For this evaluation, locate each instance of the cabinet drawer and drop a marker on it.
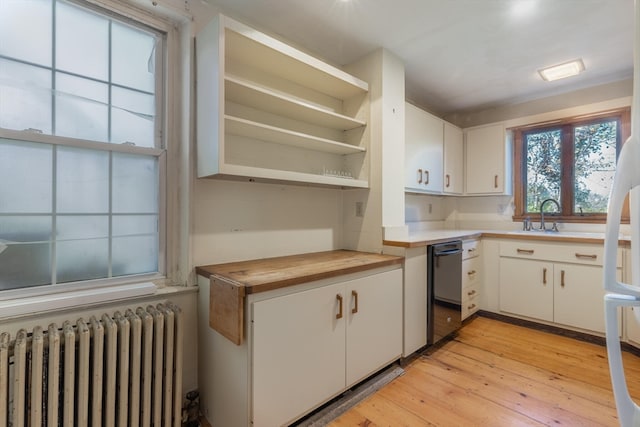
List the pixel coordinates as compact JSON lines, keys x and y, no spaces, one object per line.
{"x":470,"y":272}
{"x":556,"y":252}
{"x":470,"y":249}
{"x":470,"y":303}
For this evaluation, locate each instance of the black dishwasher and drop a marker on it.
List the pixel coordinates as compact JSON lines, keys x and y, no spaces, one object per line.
{"x":444,"y":290}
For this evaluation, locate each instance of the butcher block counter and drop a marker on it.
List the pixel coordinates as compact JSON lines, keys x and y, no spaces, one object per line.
{"x":231,"y":282}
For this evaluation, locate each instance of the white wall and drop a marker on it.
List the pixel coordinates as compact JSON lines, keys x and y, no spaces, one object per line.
{"x":236,"y":221}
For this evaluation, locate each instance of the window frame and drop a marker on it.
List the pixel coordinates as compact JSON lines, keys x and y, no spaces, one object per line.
{"x":567,"y":125}
{"x":168,"y":33}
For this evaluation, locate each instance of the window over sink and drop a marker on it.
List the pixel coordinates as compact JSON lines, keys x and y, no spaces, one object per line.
{"x":572,"y":161}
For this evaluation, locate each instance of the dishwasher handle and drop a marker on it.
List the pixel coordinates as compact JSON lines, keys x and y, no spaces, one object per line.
{"x":447,"y":252}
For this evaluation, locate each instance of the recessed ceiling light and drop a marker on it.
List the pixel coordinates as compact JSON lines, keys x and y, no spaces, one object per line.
{"x":560,"y":71}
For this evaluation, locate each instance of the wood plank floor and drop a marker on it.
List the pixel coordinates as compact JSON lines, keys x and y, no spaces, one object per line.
{"x":498,"y":374}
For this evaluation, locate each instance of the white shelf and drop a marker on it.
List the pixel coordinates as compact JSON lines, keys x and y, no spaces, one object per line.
{"x":282,"y":175}
{"x":262,"y":132}
{"x":261,"y":51}
{"x":246,"y":93}
{"x":268,"y":111}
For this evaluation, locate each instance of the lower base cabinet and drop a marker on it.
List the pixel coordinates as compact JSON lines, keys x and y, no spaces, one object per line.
{"x":306,"y":345}
{"x":566,"y":293}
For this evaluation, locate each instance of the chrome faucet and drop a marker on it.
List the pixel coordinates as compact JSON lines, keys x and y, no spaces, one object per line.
{"x":542,"y":226}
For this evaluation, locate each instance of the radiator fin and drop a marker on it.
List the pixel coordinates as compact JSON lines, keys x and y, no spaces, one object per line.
{"x":121,"y":369}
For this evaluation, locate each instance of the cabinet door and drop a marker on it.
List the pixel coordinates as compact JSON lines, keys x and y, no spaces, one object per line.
{"x":298,"y":350}
{"x":415,"y":300}
{"x":453,"y":159}
{"x":485,"y":160}
{"x":526,"y":288}
{"x":423,"y":150}
{"x":374,"y":325}
{"x":579,"y":296}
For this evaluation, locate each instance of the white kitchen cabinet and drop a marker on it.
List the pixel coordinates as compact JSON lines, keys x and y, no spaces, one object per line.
{"x":424,"y":135}
{"x":415,"y":297}
{"x":471,"y":277}
{"x":559,"y":283}
{"x":453,"y":159}
{"x":311,"y":345}
{"x":268,"y":111}
{"x":526,"y":288}
{"x":487,"y":161}
{"x":298,"y":354}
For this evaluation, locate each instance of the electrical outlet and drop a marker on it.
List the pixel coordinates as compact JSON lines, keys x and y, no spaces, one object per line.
{"x":359,"y":209}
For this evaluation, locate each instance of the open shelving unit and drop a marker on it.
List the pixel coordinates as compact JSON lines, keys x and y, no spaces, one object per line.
{"x":268,"y":111}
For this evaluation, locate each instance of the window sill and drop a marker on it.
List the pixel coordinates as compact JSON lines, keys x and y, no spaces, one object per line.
{"x":73,"y":299}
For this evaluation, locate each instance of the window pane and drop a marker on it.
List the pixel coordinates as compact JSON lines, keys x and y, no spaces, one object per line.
{"x":133,"y":62}
{"x":82,"y":260}
{"x":82,"y":180}
{"x":25,"y":177}
{"x":25,"y":97}
{"x":25,"y":30}
{"x":82,"y":42}
{"x":135,"y":183}
{"x":81,"y":108}
{"x":543,"y":165}
{"x":82,"y":248}
{"x":595,"y":164}
{"x":132,"y":117}
{"x":25,"y":251}
{"x":135,"y":244}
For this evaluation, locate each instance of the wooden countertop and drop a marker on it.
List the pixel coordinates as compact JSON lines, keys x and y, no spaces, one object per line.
{"x":273,"y":273}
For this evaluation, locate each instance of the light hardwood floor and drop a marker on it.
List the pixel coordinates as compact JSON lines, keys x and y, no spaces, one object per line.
{"x":498,"y":374}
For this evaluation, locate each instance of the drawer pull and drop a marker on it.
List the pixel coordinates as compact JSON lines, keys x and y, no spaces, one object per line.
{"x":448,"y":181}
{"x":471,"y":307}
{"x":495,"y":181}
{"x":471,"y":273}
{"x":525,"y":251}
{"x":470,"y":293}
{"x":354,"y":294}
{"x":544,"y":276}
{"x":586,"y":256}
{"x":419,"y":176}
{"x":472,"y":250}
{"x":562,"y":278}
{"x":426,"y":179}
{"x":339,"y":298}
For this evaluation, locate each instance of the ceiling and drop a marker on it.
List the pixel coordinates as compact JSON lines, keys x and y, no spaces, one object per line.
{"x":460,"y":55}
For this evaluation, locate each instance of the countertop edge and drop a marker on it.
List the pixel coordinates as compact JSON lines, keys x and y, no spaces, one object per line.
{"x":499,"y":235}
{"x":385,"y":261}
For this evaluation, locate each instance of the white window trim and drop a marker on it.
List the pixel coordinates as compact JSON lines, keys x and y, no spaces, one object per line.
{"x":63,"y":300}
{"x":110,"y":289}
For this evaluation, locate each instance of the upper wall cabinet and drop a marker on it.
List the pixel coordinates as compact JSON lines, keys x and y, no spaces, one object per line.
{"x":488,"y":161}
{"x":453,"y":159}
{"x":423,"y":151}
{"x":268,"y":111}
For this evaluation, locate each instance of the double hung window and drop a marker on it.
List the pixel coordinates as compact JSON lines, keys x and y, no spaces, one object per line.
{"x":81,"y":148}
